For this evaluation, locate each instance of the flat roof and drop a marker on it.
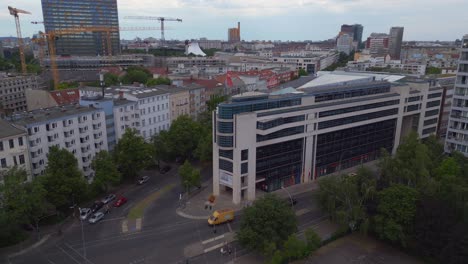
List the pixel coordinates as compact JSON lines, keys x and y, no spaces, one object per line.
{"x":47,"y":114}
{"x":9,"y":130}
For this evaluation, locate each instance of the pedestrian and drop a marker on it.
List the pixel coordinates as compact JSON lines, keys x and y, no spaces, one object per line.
{"x":229,"y":249}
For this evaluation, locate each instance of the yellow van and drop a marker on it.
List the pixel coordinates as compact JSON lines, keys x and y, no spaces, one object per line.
{"x":221,"y":216}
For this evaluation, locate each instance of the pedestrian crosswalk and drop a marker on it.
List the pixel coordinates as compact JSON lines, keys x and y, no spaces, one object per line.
{"x":129,"y":226}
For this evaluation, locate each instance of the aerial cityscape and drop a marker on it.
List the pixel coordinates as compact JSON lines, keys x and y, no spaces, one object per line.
{"x":251,"y":132}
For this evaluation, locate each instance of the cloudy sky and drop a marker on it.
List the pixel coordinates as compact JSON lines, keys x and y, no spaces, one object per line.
{"x":275,"y":19}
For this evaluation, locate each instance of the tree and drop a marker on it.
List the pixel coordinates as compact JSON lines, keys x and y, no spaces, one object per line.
{"x":294,"y":248}
{"x":111,"y":79}
{"x":158,"y":81}
{"x":63,"y":181}
{"x":132,"y":154}
{"x":214,"y":101}
{"x":313,"y":240}
{"x":105,"y":170}
{"x":160,"y":148}
{"x":303,"y":72}
{"x":433,"y":70}
{"x":344,"y":197}
{"x":267,"y":224}
{"x":396,"y":211}
{"x":204,"y":150}
{"x":189,"y":176}
{"x":135,"y":76}
{"x":184,"y":136}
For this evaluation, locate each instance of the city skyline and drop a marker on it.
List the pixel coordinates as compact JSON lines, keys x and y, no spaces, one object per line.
{"x":264,"y":20}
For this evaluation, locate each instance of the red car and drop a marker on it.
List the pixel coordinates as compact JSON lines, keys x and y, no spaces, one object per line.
{"x":120,"y":201}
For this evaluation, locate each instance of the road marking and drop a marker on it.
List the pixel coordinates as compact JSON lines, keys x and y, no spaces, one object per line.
{"x":138,"y":224}
{"x":302,"y":211}
{"x":78,"y":253}
{"x":68,"y":254}
{"x":124,"y":226}
{"x":112,"y":219}
{"x":212,"y":239}
{"x":213,"y":247}
{"x":230,"y":228}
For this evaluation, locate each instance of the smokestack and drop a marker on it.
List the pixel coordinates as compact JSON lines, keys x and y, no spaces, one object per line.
{"x":238,"y":30}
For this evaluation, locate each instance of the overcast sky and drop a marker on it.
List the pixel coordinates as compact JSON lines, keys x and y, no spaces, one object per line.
{"x":275,"y":19}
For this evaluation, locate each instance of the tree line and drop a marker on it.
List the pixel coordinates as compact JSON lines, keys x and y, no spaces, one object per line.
{"x":418,"y":201}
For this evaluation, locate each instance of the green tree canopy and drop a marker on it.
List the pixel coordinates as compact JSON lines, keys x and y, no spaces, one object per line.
{"x":105,"y":170}
{"x":214,"y":101}
{"x":132,"y":154}
{"x":63,"y":180}
{"x":267,"y":224}
{"x":158,"y":81}
{"x":189,"y":176}
{"x":303,"y":72}
{"x":111,"y":79}
{"x":396,"y":211}
{"x":184,"y":135}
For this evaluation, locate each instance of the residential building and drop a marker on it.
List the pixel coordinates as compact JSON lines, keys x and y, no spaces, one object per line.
{"x":80,"y":130}
{"x":377,"y":43}
{"x":179,"y":102}
{"x":344,"y":43}
{"x":312,"y":64}
{"x":13,"y":149}
{"x":197,"y":99}
{"x":13,"y":91}
{"x":37,"y":99}
{"x":210,"y":44}
{"x":341,"y":121}
{"x":457,"y":131}
{"x":395,"y":41}
{"x":59,"y":15}
{"x":145,"y":109}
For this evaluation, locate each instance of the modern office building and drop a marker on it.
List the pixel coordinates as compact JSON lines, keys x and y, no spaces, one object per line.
{"x":395,"y":41}
{"x":267,"y":142}
{"x":13,"y":148}
{"x":378,"y":44}
{"x":457,"y":131}
{"x":344,"y":43}
{"x":13,"y":91}
{"x":355,"y":31}
{"x":59,"y":15}
{"x":80,"y":130}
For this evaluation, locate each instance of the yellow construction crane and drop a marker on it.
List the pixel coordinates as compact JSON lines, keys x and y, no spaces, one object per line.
{"x":14,"y":12}
{"x":53,"y":35}
{"x":160,"y":19}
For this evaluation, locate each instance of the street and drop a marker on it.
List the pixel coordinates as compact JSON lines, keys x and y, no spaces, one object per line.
{"x":161,"y":236}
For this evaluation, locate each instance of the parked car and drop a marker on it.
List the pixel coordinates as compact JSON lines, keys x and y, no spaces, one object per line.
{"x":165,"y":169}
{"x":109,"y":198}
{"x":120,"y":201}
{"x":96,"y":217}
{"x":84,"y":213}
{"x":96,"y":206}
{"x":143,"y":180}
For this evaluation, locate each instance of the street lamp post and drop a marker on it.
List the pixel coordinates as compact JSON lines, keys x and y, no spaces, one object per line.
{"x":290,"y":197}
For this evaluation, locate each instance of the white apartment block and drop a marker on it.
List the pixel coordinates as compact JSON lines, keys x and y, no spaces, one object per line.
{"x":145,"y":109}
{"x":457,"y":131}
{"x":80,"y":130}
{"x":13,"y":91}
{"x":269,"y":142}
{"x":13,"y":149}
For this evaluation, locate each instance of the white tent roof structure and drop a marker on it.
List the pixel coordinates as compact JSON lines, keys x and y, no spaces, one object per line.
{"x":194,"y":48}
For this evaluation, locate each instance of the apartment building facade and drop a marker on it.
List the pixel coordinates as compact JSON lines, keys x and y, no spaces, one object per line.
{"x":13,"y":91}
{"x":269,"y":142}
{"x":457,"y":131}
{"x":13,"y":149}
{"x":80,"y":130}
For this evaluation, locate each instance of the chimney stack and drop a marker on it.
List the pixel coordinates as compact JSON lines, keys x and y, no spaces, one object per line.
{"x":238,"y":30}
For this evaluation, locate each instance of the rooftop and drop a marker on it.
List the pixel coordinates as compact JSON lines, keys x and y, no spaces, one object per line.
{"x":9,"y":130}
{"x":138,"y":92}
{"x":42,"y":115}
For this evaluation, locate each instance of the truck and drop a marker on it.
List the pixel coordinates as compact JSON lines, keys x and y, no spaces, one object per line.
{"x":221,"y":216}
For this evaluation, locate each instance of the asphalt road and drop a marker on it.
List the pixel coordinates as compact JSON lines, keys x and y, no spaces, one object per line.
{"x":163,"y":236}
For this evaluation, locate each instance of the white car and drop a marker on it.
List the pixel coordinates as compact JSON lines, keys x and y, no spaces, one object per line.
{"x":108,"y":198}
{"x":96,"y":217}
{"x":84,"y":213}
{"x":143,"y":179}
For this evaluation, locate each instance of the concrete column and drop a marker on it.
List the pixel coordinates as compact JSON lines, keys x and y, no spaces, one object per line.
{"x":308,"y":159}
{"x":251,"y":178}
{"x":236,"y":179}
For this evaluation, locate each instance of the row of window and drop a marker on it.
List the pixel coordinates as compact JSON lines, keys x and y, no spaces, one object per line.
{"x":281,"y":133}
{"x":228,"y":111}
{"x":430,"y":121}
{"x":358,"y":118}
{"x":357,"y":108}
{"x":11,"y":143}
{"x":349,"y":93}
{"x":16,"y":161}
{"x":279,"y":121}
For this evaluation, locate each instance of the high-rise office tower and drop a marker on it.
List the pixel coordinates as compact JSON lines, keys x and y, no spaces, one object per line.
{"x":353,"y":30}
{"x":457,"y":131}
{"x":395,"y":40}
{"x":64,"y":14}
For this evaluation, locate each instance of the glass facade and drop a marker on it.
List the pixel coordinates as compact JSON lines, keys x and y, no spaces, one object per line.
{"x":280,"y":164}
{"x":357,"y":118}
{"x":228,"y":110}
{"x":353,"y":146}
{"x":60,"y":14}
